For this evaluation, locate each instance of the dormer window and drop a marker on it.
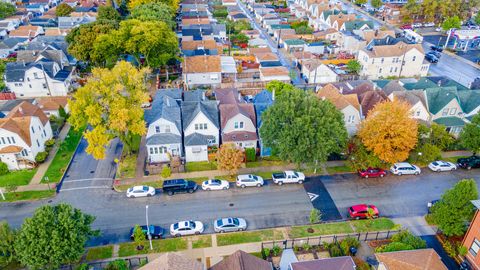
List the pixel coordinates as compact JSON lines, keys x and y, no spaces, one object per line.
{"x":238,"y":125}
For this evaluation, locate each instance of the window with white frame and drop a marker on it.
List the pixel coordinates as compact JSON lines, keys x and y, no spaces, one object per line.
{"x":475,"y":247}
{"x":157,"y":129}
{"x":162,"y":150}
{"x":445,"y":112}
{"x":453,"y":111}
{"x":167,"y":129}
{"x":238,"y":125}
{"x":196,"y":149}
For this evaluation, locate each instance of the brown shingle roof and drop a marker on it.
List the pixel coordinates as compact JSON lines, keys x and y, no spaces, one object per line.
{"x":195,"y":44}
{"x":398,"y":49}
{"x":266,"y":56}
{"x":202,"y":64}
{"x":228,"y":96}
{"x":274,"y":71}
{"x":28,"y":109}
{"x":51,"y":103}
{"x":331,"y":93}
{"x":337,"y":263}
{"x":190,"y":21}
{"x":241,"y":260}
{"x":227,"y":111}
{"x":259,"y":50}
{"x":369,"y":99}
{"x":172,"y":261}
{"x":25,"y":31}
{"x":11,"y":149}
{"x":420,"y":259}
{"x":19,"y":126}
{"x":368,"y":35}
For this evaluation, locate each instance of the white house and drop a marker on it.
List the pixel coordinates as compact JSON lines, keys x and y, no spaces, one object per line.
{"x":347,"y":104}
{"x":35,"y":79}
{"x":202,"y":70}
{"x":201,"y":127}
{"x":23,"y":133}
{"x":417,"y":100}
{"x":164,"y":134}
{"x":316,"y":72}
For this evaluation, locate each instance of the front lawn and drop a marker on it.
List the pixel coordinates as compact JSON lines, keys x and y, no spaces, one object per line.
{"x":379,"y":224}
{"x":200,"y":166}
{"x":248,"y":237}
{"x":339,"y":169}
{"x":64,"y":155}
{"x":99,"y":253}
{"x":320,"y":229}
{"x":201,"y":241}
{"x":127,"y":166}
{"x":162,"y":245}
{"x":453,"y":159}
{"x":19,"y":178}
{"x":27,"y":195}
{"x":266,"y":163}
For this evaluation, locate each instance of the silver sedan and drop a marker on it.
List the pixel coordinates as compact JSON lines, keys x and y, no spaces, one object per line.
{"x":229,"y":225}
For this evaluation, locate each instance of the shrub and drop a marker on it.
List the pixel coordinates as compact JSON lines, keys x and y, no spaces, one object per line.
{"x":315,"y":216}
{"x":394,"y":246}
{"x":449,"y":248}
{"x":83,"y":266}
{"x":166,"y":171}
{"x":335,"y":251}
{"x":266,"y":252}
{"x":41,"y":156}
{"x":3,"y":168}
{"x":306,"y":247}
{"x":251,"y":154}
{"x":11,"y":188}
{"x":61,"y":112}
{"x":50,"y":143}
{"x":347,"y":243}
{"x":462,"y":250}
{"x":408,"y":238}
{"x":276,"y":250}
{"x":117,"y":265}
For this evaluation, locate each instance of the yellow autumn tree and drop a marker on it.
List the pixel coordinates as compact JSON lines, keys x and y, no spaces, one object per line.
{"x":229,"y":158}
{"x":110,"y":104}
{"x":389,"y":132}
{"x":135,"y":3}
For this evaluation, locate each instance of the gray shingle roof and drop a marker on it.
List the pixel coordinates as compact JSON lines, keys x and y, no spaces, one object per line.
{"x":164,"y":138}
{"x":195,"y":95}
{"x":166,"y":107}
{"x":11,"y":42}
{"x":15,"y":72}
{"x":197,"y":139}
{"x":191,"y":109}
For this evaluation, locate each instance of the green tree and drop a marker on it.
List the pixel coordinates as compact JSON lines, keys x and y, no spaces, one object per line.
{"x":303,"y":129}
{"x":315,"y":216}
{"x":353,"y":66}
{"x":359,"y":158}
{"x":63,"y":10}
{"x":411,"y":10}
{"x":376,"y":3}
{"x":7,"y":241}
{"x":6,"y":10}
{"x":81,"y":40}
{"x":55,"y":235}
{"x":454,"y":210}
{"x":429,"y":9}
{"x":477,"y":18}
{"x":135,"y":3}
{"x":239,"y":39}
{"x":303,"y":30}
{"x":110,"y":102}
{"x":279,"y":88}
{"x":234,"y":28}
{"x":138,"y":236}
{"x":470,"y":135}
{"x":108,"y":13}
{"x":3,"y":168}
{"x":360,"y":2}
{"x":425,"y":153}
{"x":451,"y":22}
{"x":154,"y":12}
{"x":166,"y":172}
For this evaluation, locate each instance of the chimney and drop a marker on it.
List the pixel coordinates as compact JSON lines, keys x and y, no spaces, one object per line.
{"x":341,"y":89}
{"x":376,"y":32}
{"x":439,"y":83}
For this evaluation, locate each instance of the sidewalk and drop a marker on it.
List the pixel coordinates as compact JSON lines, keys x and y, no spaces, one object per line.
{"x":42,"y":168}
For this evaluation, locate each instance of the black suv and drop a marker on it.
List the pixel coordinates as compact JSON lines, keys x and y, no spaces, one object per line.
{"x":469,"y":163}
{"x":156,"y":232}
{"x":178,"y":186}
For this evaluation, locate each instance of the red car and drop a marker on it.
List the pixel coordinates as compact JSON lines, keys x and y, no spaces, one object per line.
{"x":361,"y":211}
{"x":406,"y":26}
{"x":372,"y":172}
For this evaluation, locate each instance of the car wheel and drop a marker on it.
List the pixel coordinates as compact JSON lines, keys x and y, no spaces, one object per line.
{"x":149,"y":195}
{"x":280,"y":183}
{"x":399,"y":174}
{"x":242,"y":186}
{"x":170,"y":193}
{"x":190,"y":191}
{"x":131,"y":196}
{"x":259,"y":185}
{"x":416,"y":173}
{"x":222,"y":231}
{"x":438,"y":170}
{"x":366,"y":176}
{"x":178,"y":235}
{"x":156,"y":237}
{"x":357,"y":218}
{"x":300,"y":182}
{"x":469,"y":167}
{"x":225,"y":188}
{"x":454,"y":169}
{"x":208,"y":189}
{"x":197,"y":232}
{"x":382,"y":175}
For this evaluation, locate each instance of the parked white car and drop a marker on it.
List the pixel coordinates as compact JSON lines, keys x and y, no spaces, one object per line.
{"x":215,"y":184}
{"x":229,"y":225}
{"x":429,"y":24}
{"x":249,"y":180}
{"x":417,"y":25}
{"x":140,"y":191}
{"x":442,"y":166}
{"x":187,"y":227}
{"x":405,"y":168}
{"x":288,"y":177}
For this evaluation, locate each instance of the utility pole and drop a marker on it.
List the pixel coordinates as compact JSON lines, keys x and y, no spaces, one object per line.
{"x":148,"y":228}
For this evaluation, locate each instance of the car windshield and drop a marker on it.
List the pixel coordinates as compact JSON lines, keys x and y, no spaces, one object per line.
{"x":175,"y":226}
{"x":145,"y":188}
{"x":296,"y":174}
{"x":254,"y":177}
{"x":220,"y":222}
{"x":235,"y":221}
{"x":192,"y":224}
{"x":215,"y":181}
{"x":130,"y":189}
{"x":351,"y":209}
{"x":435,"y":163}
{"x":395,"y":167}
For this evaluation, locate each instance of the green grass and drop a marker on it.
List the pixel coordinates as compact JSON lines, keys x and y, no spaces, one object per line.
{"x":28,"y":195}
{"x":127,"y":166}
{"x":320,"y":229}
{"x":257,"y":254}
{"x":453,"y":159}
{"x":62,"y":158}
{"x":202,"y":241}
{"x":266,"y":163}
{"x":163,"y":245}
{"x":200,"y":166}
{"x":99,"y":253}
{"x":379,"y":224}
{"x":19,"y":178}
{"x":248,"y":237}
{"x":339,"y":169}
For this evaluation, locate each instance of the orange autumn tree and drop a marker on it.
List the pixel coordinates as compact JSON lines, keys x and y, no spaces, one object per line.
{"x":229,"y":158}
{"x":389,"y":132}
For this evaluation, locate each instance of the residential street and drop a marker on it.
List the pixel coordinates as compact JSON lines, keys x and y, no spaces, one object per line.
{"x":403,"y":198}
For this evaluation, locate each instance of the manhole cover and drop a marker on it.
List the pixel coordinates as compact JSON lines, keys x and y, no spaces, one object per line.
{"x":231,"y":204}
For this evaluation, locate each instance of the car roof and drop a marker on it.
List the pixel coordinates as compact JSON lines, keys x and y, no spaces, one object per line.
{"x":358,"y":207}
{"x":401,"y":164}
{"x":138,"y":187}
{"x":245,"y":176}
{"x":183,"y":224}
{"x":174,"y":181}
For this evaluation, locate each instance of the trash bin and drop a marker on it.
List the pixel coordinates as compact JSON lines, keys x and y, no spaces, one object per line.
{"x":353,"y":251}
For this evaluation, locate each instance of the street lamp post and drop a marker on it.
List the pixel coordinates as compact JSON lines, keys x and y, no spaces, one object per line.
{"x":148,"y":228}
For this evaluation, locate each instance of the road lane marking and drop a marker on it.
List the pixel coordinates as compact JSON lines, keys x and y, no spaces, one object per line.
{"x":88,"y":179}
{"x":91,"y":187}
{"x":312,"y":196}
